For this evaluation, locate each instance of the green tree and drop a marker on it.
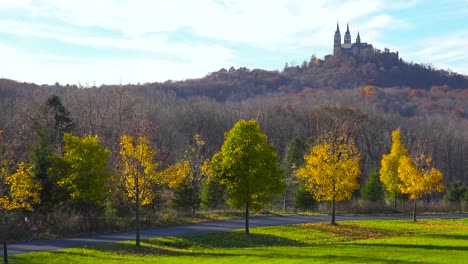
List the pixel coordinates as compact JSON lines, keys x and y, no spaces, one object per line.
{"x":53,"y":122}
{"x":61,"y":122}
{"x":212,"y":194}
{"x":248,"y":167}
{"x":85,"y":167}
{"x":305,"y":199}
{"x":373,"y":189}
{"x":455,"y":192}
{"x":293,"y":159}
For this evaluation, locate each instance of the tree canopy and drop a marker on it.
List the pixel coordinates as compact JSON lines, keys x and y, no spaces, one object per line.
{"x":331,"y":170}
{"x":390,"y":163}
{"x":87,"y":168}
{"x":248,"y":167}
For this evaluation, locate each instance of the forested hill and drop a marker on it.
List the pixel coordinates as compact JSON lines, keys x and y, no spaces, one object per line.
{"x":332,"y":73}
{"x":335,"y":72}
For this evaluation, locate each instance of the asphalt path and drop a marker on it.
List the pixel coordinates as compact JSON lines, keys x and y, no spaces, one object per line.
{"x":194,"y":229}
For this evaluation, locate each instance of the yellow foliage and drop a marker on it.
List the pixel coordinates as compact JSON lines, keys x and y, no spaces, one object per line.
{"x":416,"y":182}
{"x":198,"y":140}
{"x":331,"y":171}
{"x":139,"y":168}
{"x":390,"y":163}
{"x":175,"y":174}
{"x":207,"y":169}
{"x":23,"y":189}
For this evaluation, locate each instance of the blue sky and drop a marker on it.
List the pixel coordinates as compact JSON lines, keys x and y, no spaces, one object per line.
{"x":131,"y":41}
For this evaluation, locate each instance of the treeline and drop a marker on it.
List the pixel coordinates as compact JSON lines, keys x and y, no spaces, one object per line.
{"x":34,"y":122}
{"x":334,"y":72}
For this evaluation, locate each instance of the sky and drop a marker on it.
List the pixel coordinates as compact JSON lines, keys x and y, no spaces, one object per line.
{"x":94,"y":42}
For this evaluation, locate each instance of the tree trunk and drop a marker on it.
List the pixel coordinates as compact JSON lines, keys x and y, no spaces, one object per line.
{"x":414,"y":210}
{"x":5,"y":251}
{"x":137,"y":211}
{"x":194,"y":196}
{"x":285,"y":198}
{"x":333,"y":220}
{"x":394,"y":200}
{"x":247,"y":218}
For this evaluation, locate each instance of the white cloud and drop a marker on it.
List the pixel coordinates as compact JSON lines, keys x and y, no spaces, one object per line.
{"x":40,"y":68}
{"x":260,"y":22}
{"x":443,"y":51}
{"x":281,"y":25}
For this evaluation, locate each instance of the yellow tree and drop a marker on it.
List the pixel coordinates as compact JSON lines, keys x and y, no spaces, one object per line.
{"x":138,"y":173}
{"x":331,"y":170}
{"x":418,"y":179}
{"x":19,"y":190}
{"x":187,"y":195}
{"x":390,"y":163}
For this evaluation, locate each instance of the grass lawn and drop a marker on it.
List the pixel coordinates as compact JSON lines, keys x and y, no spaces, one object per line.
{"x":383,"y":241}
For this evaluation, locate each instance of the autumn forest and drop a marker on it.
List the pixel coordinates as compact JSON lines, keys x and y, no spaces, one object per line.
{"x":81,"y":158}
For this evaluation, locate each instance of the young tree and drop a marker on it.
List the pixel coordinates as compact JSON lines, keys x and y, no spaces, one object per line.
{"x":248,"y":167}
{"x":293,"y":159}
{"x":52,"y":122}
{"x":373,"y":189}
{"x":138,"y":173}
{"x":418,"y":179}
{"x":455,"y":192}
{"x":390,"y":163}
{"x":331,"y":170}
{"x":190,"y":188}
{"x":17,"y":191}
{"x":86,"y":169}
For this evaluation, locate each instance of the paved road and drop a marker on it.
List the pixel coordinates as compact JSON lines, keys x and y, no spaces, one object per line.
{"x":182,"y":230}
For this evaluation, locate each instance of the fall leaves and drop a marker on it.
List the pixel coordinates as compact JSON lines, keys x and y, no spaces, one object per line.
{"x":412,"y":176}
{"x":331,"y":170}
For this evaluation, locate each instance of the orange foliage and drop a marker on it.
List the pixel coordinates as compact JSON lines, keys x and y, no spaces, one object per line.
{"x":368,"y":92}
{"x":417,"y":93}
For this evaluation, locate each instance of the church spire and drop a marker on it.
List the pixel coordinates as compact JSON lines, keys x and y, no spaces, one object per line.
{"x":347,"y":36}
{"x":358,"y":38}
{"x":337,"y":39}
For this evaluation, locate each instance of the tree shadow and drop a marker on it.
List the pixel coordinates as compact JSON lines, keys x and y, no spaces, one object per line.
{"x":156,"y":249}
{"x":413,"y":246}
{"x":223,"y":240}
{"x":458,"y":237}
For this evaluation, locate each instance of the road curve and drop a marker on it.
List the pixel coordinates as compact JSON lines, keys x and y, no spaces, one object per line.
{"x":193,"y":229}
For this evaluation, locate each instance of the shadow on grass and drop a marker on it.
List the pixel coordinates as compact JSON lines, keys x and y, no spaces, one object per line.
{"x":458,"y":237}
{"x":222,"y":240}
{"x":154,"y":249}
{"x":413,"y":246}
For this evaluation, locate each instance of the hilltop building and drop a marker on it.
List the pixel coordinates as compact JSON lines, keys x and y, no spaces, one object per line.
{"x":358,"y":48}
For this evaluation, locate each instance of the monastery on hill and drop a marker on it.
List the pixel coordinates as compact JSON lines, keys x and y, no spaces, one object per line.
{"x":358,"y":48}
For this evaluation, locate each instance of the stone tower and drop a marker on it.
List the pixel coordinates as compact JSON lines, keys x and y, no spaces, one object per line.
{"x":347,"y":36}
{"x":337,"y":39}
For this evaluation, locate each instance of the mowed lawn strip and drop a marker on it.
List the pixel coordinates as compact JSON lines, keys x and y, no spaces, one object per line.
{"x":373,"y":241}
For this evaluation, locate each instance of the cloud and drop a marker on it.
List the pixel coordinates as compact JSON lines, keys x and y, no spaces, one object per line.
{"x":260,"y":22}
{"x":146,"y":25}
{"x":47,"y":68}
{"x":451,"y":51}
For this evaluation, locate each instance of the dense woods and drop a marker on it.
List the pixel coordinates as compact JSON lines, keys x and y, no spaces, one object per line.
{"x":296,"y":109}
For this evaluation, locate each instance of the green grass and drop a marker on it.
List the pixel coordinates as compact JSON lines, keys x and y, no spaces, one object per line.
{"x":384,"y":241}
